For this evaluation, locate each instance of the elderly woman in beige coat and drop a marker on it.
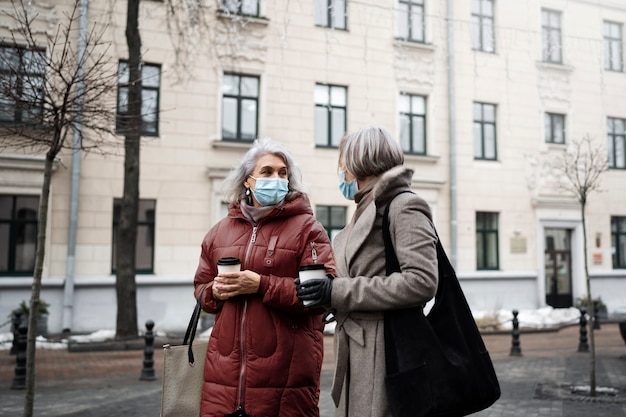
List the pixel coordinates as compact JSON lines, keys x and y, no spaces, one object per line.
{"x":372,"y":172}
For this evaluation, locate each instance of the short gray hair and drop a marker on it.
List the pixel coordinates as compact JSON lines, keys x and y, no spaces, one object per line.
{"x":370,"y":152}
{"x":233,"y":188}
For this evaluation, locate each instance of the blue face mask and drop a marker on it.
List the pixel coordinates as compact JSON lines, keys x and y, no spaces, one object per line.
{"x":270,"y":191}
{"x":348,"y":189}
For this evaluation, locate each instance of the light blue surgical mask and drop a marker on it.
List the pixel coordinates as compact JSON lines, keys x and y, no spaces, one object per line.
{"x":347,"y":188}
{"x":270,"y":191}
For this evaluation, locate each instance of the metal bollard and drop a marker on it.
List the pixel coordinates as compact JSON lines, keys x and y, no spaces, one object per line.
{"x":582,"y":344}
{"x":596,"y":316}
{"x":19,"y":380}
{"x":16,"y":320}
{"x":147,"y":373}
{"x":516,"y":350}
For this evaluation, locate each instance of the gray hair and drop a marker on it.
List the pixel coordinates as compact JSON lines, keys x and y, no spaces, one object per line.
{"x":370,"y":152}
{"x":233,"y":188}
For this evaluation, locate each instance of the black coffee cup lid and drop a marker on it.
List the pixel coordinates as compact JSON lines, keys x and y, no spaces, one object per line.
{"x":312,"y":267}
{"x":229,"y":260}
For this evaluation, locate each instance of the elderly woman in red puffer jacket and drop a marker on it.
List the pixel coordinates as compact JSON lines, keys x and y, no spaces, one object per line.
{"x":265,"y":353}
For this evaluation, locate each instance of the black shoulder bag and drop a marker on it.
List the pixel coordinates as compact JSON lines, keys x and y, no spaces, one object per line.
{"x":436,"y":365}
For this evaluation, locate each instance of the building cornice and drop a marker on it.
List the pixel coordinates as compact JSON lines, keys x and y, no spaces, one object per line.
{"x":25,"y":163}
{"x":217,"y":172}
{"x":543,"y":202}
{"x":428,"y":183}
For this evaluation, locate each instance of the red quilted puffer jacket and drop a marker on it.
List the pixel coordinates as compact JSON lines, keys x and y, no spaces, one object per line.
{"x":266,"y":349}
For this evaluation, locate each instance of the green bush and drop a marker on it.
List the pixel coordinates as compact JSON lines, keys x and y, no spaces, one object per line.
{"x":584,"y":302}
{"x":24,"y":308}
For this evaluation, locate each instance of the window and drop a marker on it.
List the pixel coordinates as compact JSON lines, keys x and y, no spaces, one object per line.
{"x":554,"y":128}
{"x":18,"y":234}
{"x":333,"y":218}
{"x":616,"y":138}
{"x":411,"y":20}
{"x":613,"y":46}
{"x":484,"y":131}
{"x":330,"y":114}
{"x":144,"y":250}
{"x":150,"y":86}
{"x":241,"y":7}
{"x":331,"y":13}
{"x":551,"y":36}
{"x":240,"y":107}
{"x":483,"y":38}
{"x":618,"y":241}
{"x":22,"y":74}
{"x":413,"y":124}
{"x":486,"y":241}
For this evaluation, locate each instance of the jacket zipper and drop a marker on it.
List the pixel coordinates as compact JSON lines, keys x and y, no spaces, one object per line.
{"x":251,"y":243}
{"x":313,"y":252}
{"x":242,"y":372}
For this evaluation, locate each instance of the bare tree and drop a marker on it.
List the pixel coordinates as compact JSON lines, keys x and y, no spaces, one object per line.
{"x":48,"y":90}
{"x":191,"y":24}
{"x":125,"y":285}
{"x":581,"y":166}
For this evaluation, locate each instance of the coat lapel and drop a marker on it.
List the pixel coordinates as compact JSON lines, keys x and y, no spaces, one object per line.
{"x":360,"y":232}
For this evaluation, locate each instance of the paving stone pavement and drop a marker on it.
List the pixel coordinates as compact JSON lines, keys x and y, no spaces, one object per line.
{"x":98,"y":384}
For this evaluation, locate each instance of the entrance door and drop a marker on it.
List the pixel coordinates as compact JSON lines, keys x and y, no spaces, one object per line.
{"x":558,"y":268}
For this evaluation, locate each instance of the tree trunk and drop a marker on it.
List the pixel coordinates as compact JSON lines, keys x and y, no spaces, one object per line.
{"x":42,"y":222}
{"x":592,"y":342}
{"x":125,"y":285}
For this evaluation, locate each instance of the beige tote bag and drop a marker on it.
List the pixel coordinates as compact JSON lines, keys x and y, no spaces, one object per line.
{"x":183,"y":373}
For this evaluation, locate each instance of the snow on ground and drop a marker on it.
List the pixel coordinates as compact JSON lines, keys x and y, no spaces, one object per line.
{"x":542,"y":318}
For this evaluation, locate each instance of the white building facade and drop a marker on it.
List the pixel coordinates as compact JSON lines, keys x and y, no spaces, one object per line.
{"x":481,"y":94}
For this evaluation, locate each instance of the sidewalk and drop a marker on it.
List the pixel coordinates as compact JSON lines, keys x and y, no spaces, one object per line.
{"x":98,"y":384}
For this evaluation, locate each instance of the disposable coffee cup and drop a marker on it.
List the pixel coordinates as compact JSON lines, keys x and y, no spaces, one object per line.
{"x":228,"y":264}
{"x":311,"y":272}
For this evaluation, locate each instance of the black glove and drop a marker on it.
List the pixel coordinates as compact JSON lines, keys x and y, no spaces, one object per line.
{"x":316,"y":291}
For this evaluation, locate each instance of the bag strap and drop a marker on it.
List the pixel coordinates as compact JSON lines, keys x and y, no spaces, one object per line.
{"x":190,"y":334}
{"x":392,"y":263}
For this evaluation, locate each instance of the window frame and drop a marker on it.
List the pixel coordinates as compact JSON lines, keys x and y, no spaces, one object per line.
{"x":330,"y":107}
{"x":618,"y":233}
{"x":547,"y":30}
{"x":478,"y":44}
{"x":330,"y":16}
{"x":483,"y":235}
{"x":614,"y":147}
{"x":411,"y":115}
{"x":151,"y":226}
{"x":609,"y":43}
{"x":550,"y":128}
{"x":14,"y":226}
{"x":331,"y":228}
{"x":22,"y":76}
{"x":483,"y":123}
{"x":240,"y":98}
{"x":120,"y":115}
{"x":240,"y":5}
{"x":409,"y":36}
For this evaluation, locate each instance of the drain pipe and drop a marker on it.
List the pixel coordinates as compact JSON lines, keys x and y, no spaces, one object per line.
{"x":452,"y":135}
{"x":70,"y":263}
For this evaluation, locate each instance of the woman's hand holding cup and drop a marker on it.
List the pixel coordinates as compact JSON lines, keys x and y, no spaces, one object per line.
{"x":231,"y":281}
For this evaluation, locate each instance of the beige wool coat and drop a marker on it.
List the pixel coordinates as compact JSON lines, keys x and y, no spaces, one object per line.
{"x":362,"y":290}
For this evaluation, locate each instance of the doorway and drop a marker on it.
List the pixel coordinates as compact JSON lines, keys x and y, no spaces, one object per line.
{"x":558,"y":268}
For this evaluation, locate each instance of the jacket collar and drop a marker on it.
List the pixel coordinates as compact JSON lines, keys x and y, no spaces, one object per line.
{"x":300,"y":204}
